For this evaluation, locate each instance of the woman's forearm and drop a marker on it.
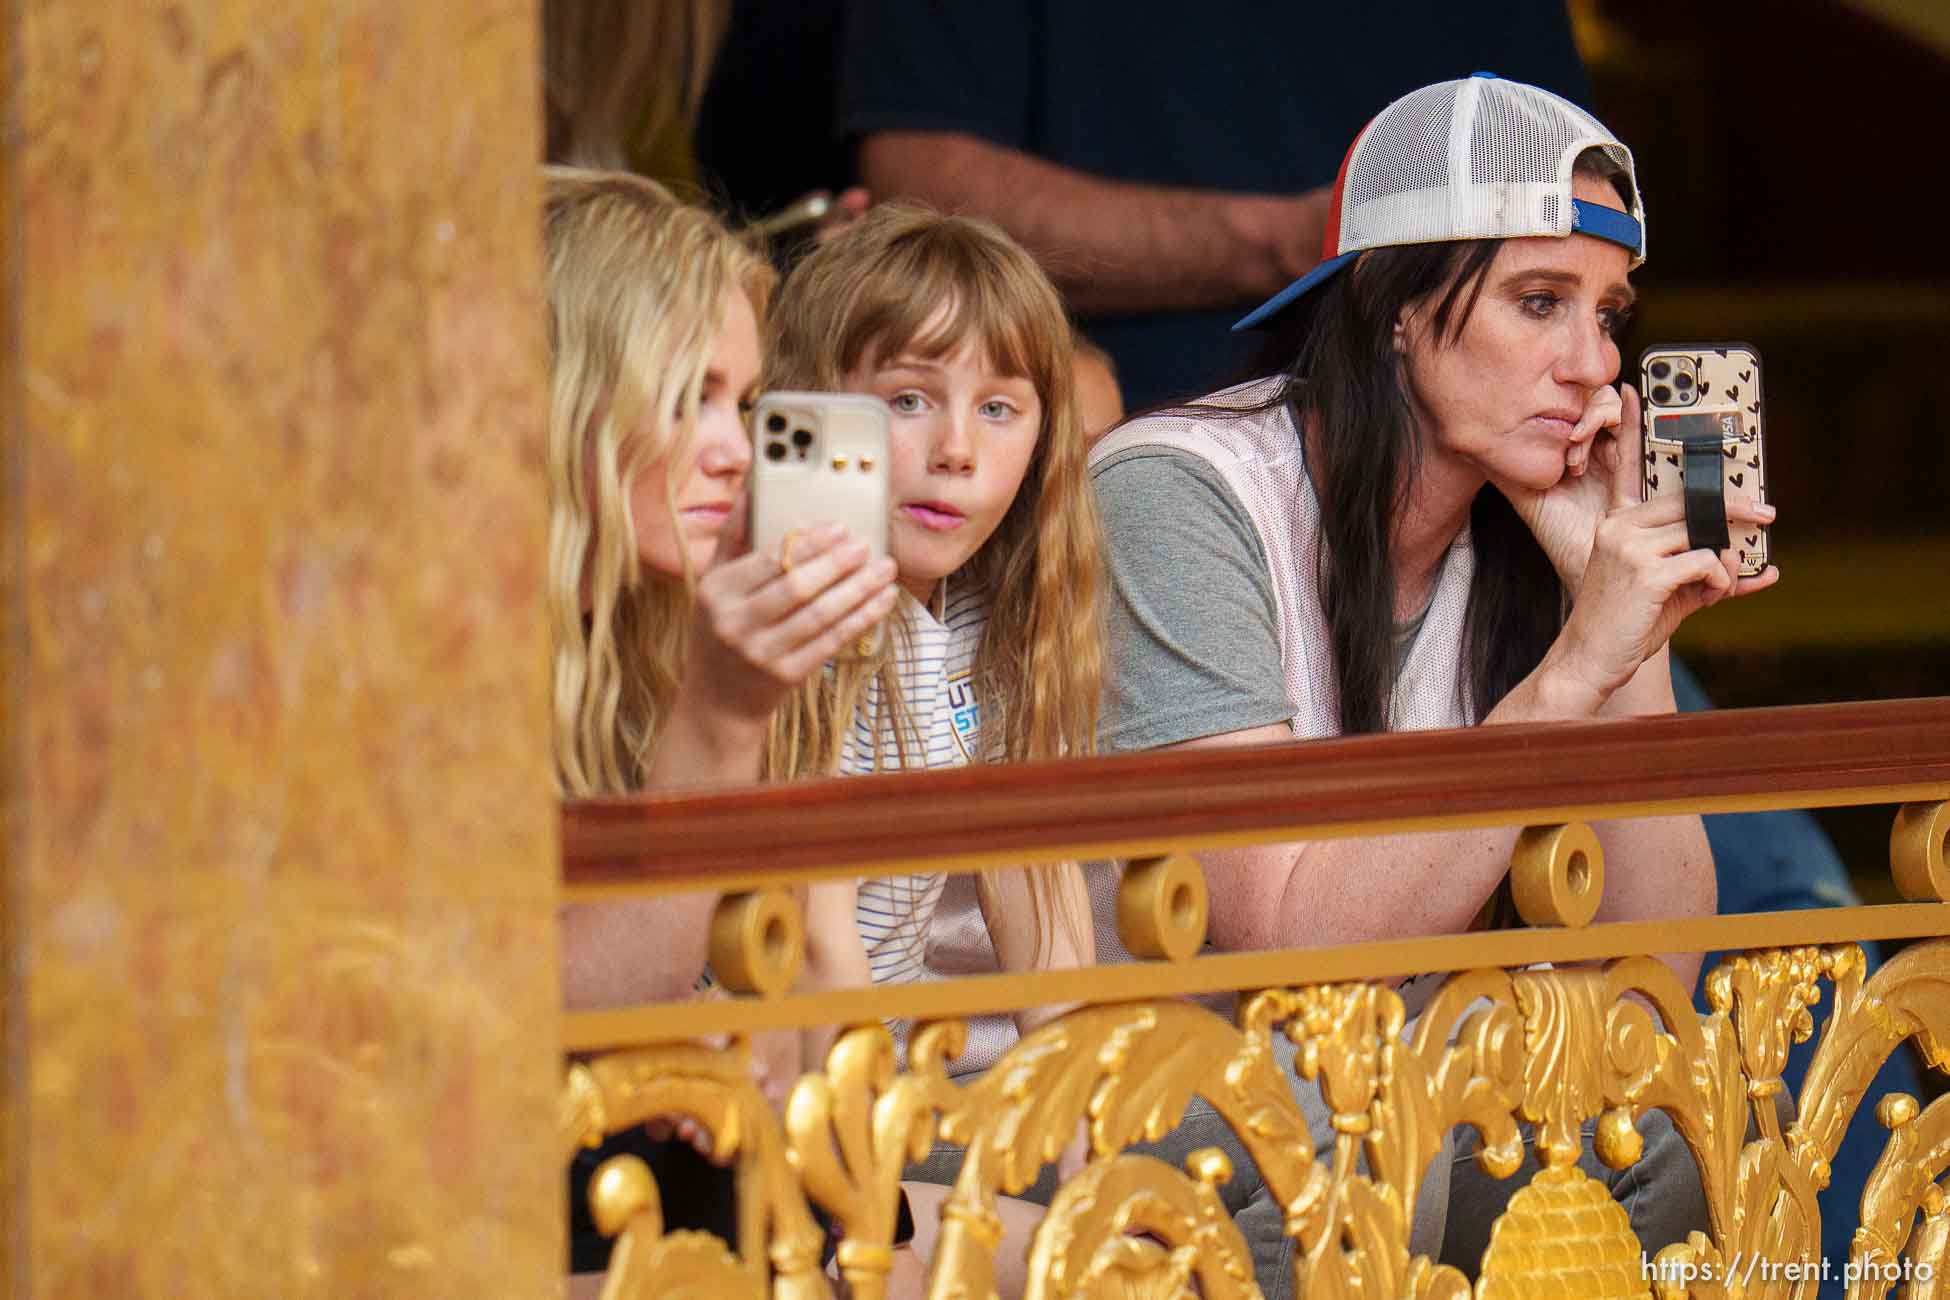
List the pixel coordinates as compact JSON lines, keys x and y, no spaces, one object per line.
{"x":1659,"y":869}
{"x":701,"y":747}
{"x":1648,"y":693}
{"x":1350,"y":891}
{"x":633,"y":950}
{"x":653,"y":950}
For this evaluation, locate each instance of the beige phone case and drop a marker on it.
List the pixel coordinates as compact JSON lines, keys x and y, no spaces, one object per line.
{"x":1726,"y":391}
{"x":820,"y":458}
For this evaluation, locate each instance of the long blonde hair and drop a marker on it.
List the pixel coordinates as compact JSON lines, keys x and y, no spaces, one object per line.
{"x":637,"y":286}
{"x":616,"y":74}
{"x":909,"y":279}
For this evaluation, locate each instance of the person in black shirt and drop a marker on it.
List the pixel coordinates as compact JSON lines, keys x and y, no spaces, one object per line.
{"x":1168,"y":162}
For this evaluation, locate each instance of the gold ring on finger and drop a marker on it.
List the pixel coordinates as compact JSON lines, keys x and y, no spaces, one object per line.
{"x":785,"y":549}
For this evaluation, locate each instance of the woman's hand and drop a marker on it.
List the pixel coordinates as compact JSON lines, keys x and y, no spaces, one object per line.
{"x":765,"y":623}
{"x":1642,"y":579}
{"x":1604,"y":445}
{"x":848,"y":208}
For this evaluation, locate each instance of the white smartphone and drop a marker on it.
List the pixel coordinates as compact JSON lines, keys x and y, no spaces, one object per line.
{"x":820,"y":458}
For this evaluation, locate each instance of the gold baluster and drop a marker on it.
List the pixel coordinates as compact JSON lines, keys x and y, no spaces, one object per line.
{"x":1161,"y":907}
{"x":1557,"y":875}
{"x":1917,"y":845}
{"x":758,"y":942}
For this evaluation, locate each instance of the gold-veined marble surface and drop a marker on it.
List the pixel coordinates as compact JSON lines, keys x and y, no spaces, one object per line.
{"x":279,"y":803}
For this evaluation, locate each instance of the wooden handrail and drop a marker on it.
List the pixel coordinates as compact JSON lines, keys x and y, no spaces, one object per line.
{"x":1804,"y":756}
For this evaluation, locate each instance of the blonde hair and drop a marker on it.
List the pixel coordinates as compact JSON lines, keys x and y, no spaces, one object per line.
{"x":637,"y":285}
{"x":906,"y":279}
{"x":616,"y":74}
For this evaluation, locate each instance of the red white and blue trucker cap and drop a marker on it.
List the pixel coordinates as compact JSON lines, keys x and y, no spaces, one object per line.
{"x":1478,"y":158}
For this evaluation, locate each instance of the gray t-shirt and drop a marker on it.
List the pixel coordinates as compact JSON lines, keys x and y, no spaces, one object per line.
{"x":1193,"y":636}
{"x":1192,"y":627}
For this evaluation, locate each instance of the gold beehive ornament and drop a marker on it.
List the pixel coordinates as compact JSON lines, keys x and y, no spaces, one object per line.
{"x":1563,"y":1235}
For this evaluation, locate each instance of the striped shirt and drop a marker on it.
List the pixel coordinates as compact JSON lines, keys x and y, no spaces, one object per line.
{"x":935,"y":671}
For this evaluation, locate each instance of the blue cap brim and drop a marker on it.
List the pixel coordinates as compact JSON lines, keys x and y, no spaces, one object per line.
{"x":1601,"y":222}
{"x":1284,"y":298}
{"x":1593,"y":219}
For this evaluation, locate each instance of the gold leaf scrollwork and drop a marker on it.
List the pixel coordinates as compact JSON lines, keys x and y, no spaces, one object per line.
{"x":579,"y":1116}
{"x":1562,"y":1083}
{"x":1724,"y":1076}
{"x":1904,"y":1179}
{"x":851,"y":1131}
{"x":1392,"y":1104}
{"x":1908,"y":997}
{"x":1555,"y":1047}
{"x":716,"y":1089}
{"x":1130,"y":1071}
{"x":1478,"y":1069}
{"x":1133,"y":1228}
{"x":1771,"y":992}
{"x":623,"y":1200}
{"x":1580,"y":1048}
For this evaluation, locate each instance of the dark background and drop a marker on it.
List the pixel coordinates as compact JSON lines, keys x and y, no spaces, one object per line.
{"x":1792,"y":156}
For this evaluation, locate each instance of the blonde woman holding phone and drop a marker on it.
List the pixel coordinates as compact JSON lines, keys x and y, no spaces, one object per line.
{"x":673,"y":646}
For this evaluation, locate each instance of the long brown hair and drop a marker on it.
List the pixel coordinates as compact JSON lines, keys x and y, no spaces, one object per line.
{"x":908,"y":279}
{"x":637,"y":284}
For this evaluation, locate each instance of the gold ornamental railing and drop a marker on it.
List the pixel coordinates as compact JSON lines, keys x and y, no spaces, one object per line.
{"x":1604,"y":1034}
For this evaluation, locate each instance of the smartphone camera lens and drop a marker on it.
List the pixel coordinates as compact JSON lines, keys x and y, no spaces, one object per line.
{"x":1661,"y":394}
{"x":802,"y":438}
{"x":1683,"y":379}
{"x":775,"y":423}
{"x":775,"y":451}
{"x":1661,"y":369}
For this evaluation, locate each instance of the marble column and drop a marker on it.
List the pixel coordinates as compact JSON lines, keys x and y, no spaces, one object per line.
{"x":280,"y":842}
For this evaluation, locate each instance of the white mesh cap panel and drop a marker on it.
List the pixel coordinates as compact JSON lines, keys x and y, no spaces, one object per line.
{"x":1479,"y":158}
{"x":1398,"y":178}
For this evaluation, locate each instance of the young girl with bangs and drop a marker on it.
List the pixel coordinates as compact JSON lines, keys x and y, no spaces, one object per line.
{"x":672,"y":651}
{"x":996,"y":652}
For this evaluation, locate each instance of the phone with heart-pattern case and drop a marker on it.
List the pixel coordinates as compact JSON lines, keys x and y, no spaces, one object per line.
{"x":1682,"y":384}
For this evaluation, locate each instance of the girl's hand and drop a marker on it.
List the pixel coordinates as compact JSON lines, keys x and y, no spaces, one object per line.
{"x":1642,"y":579}
{"x":1604,"y":448}
{"x":765,"y":623}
